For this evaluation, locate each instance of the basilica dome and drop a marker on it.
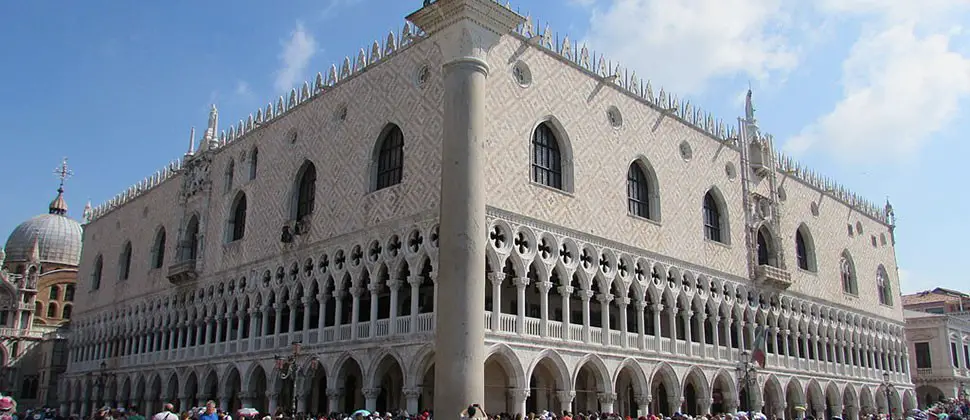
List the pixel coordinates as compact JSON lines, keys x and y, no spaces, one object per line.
{"x":57,"y":236}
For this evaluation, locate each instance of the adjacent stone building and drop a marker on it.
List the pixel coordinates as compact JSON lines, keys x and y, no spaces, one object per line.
{"x":38,"y":276}
{"x":938,"y":337}
{"x":472,"y":191}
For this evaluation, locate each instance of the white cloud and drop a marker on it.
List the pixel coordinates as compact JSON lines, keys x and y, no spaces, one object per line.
{"x":682,"y":44}
{"x":243,"y":89}
{"x":899,"y":88}
{"x":296,"y":55}
{"x":902,"y":82}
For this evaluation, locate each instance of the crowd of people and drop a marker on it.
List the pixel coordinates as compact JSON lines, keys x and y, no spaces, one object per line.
{"x":948,"y":409}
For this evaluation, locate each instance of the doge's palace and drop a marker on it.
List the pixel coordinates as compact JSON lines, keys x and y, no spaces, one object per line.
{"x":473,"y":210}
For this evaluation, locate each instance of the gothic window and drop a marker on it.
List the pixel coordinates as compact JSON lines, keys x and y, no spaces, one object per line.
{"x":52,"y":310}
{"x":66,"y":312}
{"x":390,"y":158}
{"x":546,"y":157}
{"x":190,"y":242}
{"x":715,"y":224}
{"x":96,"y":273}
{"x":69,"y":293}
{"x":230,"y":169}
{"x":804,"y":249}
{"x":237,"y":222}
{"x":158,"y":249}
{"x":766,"y":251}
{"x":641,"y":191}
{"x":883,"y":287}
{"x":55,"y":292}
{"x":306,"y":190}
{"x":124,"y":262}
{"x":847,"y":273}
{"x":38,"y":307}
{"x":253,"y":163}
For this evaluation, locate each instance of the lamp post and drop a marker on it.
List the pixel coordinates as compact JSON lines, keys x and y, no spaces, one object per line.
{"x":747,"y":372}
{"x":887,"y":383}
{"x":297,"y":366}
{"x":101,"y":380}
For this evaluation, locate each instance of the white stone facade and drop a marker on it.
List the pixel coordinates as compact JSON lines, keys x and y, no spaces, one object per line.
{"x":357,"y":284}
{"x":941,"y":368}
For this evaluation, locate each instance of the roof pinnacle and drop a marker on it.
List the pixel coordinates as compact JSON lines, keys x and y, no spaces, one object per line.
{"x":58,"y":205}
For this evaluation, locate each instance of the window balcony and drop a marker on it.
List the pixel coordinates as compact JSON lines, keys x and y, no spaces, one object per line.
{"x":773,"y":277}
{"x":182,"y":272}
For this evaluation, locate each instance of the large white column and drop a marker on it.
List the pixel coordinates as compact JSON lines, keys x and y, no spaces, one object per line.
{"x":464,"y":30}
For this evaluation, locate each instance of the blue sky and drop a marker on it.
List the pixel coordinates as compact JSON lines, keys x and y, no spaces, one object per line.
{"x":870,"y":92}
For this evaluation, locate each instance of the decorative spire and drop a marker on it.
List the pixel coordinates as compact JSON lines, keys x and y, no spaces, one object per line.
{"x":210,"y":138}
{"x":59,"y":206}
{"x":88,"y":214}
{"x":752,"y":132}
{"x":191,"y":150}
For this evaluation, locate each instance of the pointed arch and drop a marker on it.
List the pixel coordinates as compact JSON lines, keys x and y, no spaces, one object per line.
{"x":597,"y":365}
{"x":96,"y":272}
{"x":506,"y":357}
{"x":380,"y":364}
{"x":630,"y":367}
{"x":557,"y":366}
{"x":189,"y":248}
{"x":716,"y":218}
{"x":884,"y":286}
{"x":253,"y":163}
{"x":304,"y":191}
{"x":230,"y":171}
{"x":551,"y":160}
{"x":643,"y":190}
{"x":696,"y":377}
{"x":847,"y":273}
{"x":236,"y":225}
{"x":124,"y":262}
{"x":158,"y":248}
{"x":666,"y":374}
{"x":805,"y":249}
{"x":387,"y":161}
{"x":767,"y":250}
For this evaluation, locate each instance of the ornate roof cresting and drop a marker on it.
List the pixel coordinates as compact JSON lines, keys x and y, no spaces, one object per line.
{"x":543,"y":37}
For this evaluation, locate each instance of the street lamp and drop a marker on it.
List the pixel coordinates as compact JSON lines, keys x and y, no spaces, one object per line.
{"x":747,"y":372}
{"x":887,"y":383}
{"x":101,"y":380}
{"x":297,"y":366}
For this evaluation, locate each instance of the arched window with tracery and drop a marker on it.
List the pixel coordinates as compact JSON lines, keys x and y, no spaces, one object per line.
{"x":390,"y":158}
{"x":715,"y":227}
{"x":66,"y":312}
{"x":124,"y":262}
{"x":52,"y":310}
{"x":54,"y":293}
{"x":158,"y":249}
{"x":96,"y":273}
{"x":847,"y":273}
{"x":237,"y":220}
{"x":546,"y":157}
{"x":306,"y":191}
{"x":883,"y":287}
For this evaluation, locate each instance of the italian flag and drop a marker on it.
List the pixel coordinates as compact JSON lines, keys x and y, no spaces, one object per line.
{"x":759,"y":351}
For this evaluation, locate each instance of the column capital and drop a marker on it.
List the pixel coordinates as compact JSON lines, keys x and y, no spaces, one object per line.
{"x":640,"y":304}
{"x":394,"y":284}
{"x":412,"y":392}
{"x":544,"y":286}
{"x":604,"y":298}
{"x":520,"y":394}
{"x":566,"y":396}
{"x":565,"y":290}
{"x":356,"y":291}
{"x":468,"y":28}
{"x":657,"y":307}
{"x":374,"y":288}
{"x":520,"y":282}
{"x":606,"y":397}
{"x":371,"y":393}
{"x":415,"y":280}
{"x":335,"y":392}
{"x":622,"y":301}
{"x":496,"y":278}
